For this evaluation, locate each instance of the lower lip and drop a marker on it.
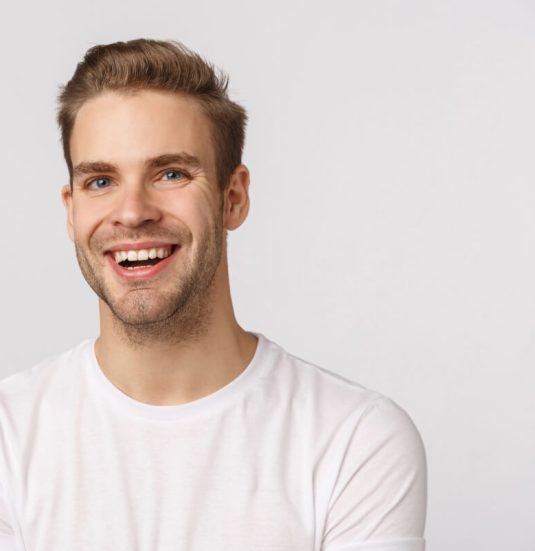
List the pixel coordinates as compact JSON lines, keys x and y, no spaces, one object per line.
{"x":148,"y":272}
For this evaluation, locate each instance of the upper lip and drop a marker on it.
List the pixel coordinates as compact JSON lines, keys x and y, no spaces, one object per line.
{"x":139,"y":246}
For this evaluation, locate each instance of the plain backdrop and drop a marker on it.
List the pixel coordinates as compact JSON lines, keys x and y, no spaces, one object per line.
{"x":391,"y":237}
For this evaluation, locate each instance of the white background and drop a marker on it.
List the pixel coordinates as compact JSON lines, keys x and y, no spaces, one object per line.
{"x":391,"y":236}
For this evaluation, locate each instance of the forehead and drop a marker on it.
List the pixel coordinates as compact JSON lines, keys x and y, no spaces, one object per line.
{"x":126,"y":128}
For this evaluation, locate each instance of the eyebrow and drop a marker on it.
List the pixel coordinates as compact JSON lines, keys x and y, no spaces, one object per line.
{"x":185,"y":159}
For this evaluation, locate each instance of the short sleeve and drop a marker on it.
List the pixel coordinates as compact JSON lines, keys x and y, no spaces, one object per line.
{"x":7,"y":537}
{"x":379,"y":498}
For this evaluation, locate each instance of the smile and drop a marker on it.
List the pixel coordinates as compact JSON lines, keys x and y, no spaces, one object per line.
{"x":141,"y":261}
{"x":133,"y":259}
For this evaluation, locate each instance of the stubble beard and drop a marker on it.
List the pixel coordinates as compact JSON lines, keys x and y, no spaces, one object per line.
{"x":179,"y":314}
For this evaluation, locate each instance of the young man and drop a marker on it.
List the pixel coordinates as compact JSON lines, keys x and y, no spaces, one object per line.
{"x":176,"y":429}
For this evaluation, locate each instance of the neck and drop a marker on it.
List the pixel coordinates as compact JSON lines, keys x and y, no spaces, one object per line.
{"x":177,"y":361}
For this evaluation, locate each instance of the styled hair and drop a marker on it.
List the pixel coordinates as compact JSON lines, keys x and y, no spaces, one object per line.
{"x":143,"y":64}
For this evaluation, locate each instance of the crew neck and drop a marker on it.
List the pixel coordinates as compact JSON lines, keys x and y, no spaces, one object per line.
{"x":215,"y":401}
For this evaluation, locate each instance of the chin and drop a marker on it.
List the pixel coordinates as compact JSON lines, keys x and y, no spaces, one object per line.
{"x":141,"y":315}
{"x":144,"y":308}
{"x":162,"y":325}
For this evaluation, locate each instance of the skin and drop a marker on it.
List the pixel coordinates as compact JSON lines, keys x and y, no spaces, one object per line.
{"x":170,"y":337}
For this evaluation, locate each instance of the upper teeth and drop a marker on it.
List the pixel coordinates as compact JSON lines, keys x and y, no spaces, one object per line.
{"x":141,"y":254}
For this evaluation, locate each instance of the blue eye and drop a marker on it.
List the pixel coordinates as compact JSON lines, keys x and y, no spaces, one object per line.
{"x":99,"y":183}
{"x":178,"y":174}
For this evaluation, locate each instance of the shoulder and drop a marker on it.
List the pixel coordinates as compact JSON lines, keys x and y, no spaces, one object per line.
{"x":309,"y":385}
{"x":340,"y":406}
{"x":369,"y":459}
{"x":25,"y":388}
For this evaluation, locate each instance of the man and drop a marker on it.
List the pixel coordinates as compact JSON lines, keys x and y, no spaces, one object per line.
{"x":176,"y":429}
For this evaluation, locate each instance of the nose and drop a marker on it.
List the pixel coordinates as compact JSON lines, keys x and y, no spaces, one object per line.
{"x":135,"y":206}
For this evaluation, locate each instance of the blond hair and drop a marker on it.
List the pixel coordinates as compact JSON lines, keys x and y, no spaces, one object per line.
{"x":159,"y":65}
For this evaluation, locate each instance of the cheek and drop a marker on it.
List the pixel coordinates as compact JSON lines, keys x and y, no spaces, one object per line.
{"x":195,"y":210}
{"x":84,"y":222}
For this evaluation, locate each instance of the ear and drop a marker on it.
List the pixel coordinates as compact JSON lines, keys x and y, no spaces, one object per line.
{"x":66,"y":196}
{"x":236,"y":196}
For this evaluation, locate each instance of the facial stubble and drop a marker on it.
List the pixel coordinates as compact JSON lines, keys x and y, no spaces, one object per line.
{"x":185,"y":309}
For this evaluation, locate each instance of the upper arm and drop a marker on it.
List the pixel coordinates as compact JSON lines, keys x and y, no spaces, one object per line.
{"x":379,"y":499}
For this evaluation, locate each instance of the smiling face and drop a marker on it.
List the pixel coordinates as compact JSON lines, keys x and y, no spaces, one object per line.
{"x":145,"y":213}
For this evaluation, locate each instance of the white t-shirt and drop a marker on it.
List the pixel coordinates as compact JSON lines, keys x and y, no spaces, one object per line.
{"x":286,"y":457}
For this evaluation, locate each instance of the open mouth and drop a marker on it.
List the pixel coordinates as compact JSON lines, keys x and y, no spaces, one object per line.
{"x":142,"y":258}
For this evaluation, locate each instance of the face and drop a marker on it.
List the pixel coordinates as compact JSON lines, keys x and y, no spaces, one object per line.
{"x":145,"y":213}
